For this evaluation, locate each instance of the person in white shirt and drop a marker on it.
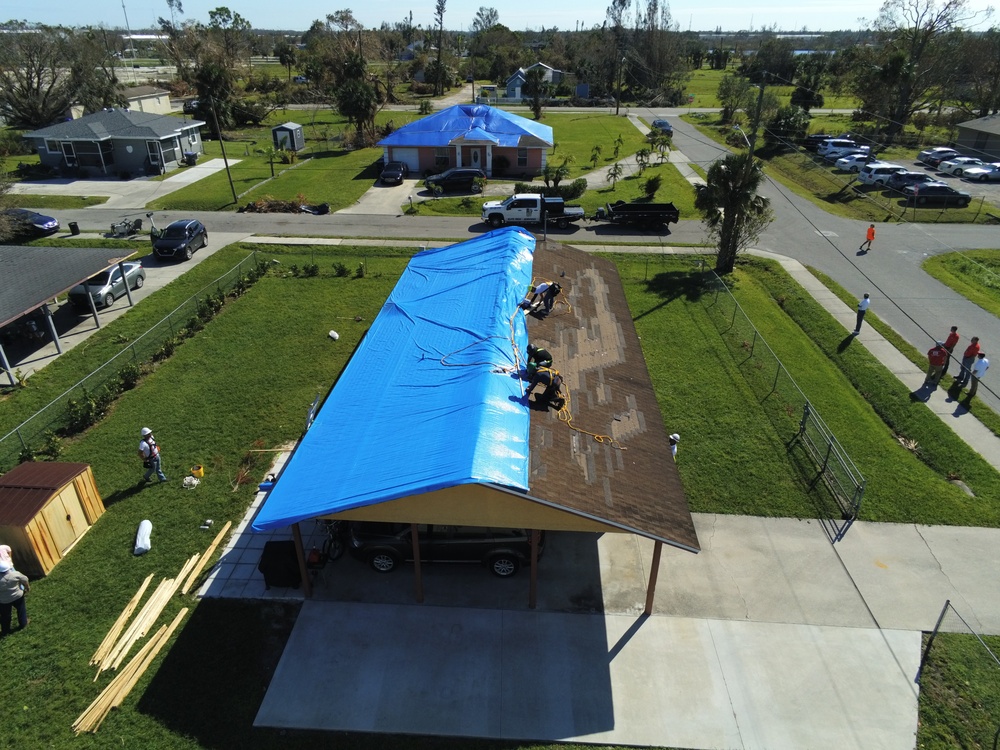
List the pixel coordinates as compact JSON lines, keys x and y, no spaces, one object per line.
{"x":149,"y":452}
{"x":674,"y":440}
{"x":863,"y":304}
{"x":979,"y":368}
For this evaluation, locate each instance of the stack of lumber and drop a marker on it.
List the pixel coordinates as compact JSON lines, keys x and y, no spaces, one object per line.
{"x":115,"y":647}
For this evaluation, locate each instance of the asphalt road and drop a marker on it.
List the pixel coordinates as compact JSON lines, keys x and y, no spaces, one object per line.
{"x":914,"y":304}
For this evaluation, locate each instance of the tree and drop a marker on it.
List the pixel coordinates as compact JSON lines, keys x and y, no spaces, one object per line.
{"x":914,"y":56}
{"x":486,"y":18}
{"x":809,"y":78}
{"x":439,"y":7}
{"x":615,"y":172}
{"x":287,"y":55}
{"x":731,"y":209}
{"x":786,"y":128}
{"x":595,"y":155}
{"x":215,"y":83}
{"x":536,"y":88}
{"x":231,"y":32}
{"x":734,"y":93}
{"x":978,"y":86}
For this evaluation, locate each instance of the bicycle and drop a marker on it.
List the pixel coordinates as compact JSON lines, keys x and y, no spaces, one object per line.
{"x":335,"y":543}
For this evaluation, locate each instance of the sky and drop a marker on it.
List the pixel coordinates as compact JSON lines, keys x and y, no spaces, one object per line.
{"x":789,"y":15}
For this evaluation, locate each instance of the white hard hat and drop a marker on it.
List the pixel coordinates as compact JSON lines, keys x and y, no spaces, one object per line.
{"x":675,"y":437}
{"x":145,"y":431}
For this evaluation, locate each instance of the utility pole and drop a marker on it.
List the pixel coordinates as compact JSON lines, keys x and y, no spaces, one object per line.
{"x":618,"y":98}
{"x":756,"y":117}
{"x":222,"y":145}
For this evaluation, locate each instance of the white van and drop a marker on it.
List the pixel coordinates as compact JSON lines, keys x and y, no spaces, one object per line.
{"x":878,"y":172}
{"x":834,"y":148}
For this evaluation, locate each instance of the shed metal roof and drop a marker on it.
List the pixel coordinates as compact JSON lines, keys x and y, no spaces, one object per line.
{"x":450,"y":125}
{"x":25,"y":489}
{"x":29,"y":275}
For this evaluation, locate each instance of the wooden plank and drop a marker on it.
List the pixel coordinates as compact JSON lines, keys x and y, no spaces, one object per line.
{"x":116,"y":629}
{"x":205,"y":558}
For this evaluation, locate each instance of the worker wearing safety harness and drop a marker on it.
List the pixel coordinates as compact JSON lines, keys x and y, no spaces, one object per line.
{"x":547,"y":290}
{"x":537,"y":357}
{"x":552,"y":380}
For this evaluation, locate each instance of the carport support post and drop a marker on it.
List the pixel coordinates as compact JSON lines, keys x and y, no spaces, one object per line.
{"x":418,"y":579}
{"x":300,"y":555}
{"x":654,"y":569}
{"x":6,"y":366}
{"x":128,"y":292}
{"x":52,"y":328}
{"x":533,"y":579}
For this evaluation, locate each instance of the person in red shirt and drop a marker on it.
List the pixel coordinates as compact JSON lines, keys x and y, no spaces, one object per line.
{"x":937,"y":358}
{"x":968,"y":357}
{"x":950,"y":343}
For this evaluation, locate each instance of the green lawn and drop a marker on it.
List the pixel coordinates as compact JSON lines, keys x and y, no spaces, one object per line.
{"x":221,"y":395}
{"x":704,"y":84}
{"x":27,"y":200}
{"x":975,"y":274}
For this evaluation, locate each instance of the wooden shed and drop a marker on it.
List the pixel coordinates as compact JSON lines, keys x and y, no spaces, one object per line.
{"x":45,"y":508}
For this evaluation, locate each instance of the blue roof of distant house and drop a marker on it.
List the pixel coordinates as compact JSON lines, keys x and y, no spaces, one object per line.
{"x":432,"y":396}
{"x":470,"y":122}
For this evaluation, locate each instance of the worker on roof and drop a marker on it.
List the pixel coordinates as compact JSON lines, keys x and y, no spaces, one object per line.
{"x":552,"y":381}
{"x":548,"y":291}
{"x":537,"y":357}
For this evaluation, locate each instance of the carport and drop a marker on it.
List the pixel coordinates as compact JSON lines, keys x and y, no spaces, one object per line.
{"x":31,"y":277}
{"x":428,"y":422}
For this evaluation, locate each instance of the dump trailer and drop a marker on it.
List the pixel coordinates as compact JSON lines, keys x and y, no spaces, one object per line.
{"x":648,"y":214}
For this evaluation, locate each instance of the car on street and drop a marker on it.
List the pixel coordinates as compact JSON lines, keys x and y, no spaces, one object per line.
{"x":900,"y":180}
{"x":852,"y":162}
{"x":934,"y":156}
{"x":180,"y":239}
{"x":191,"y":106}
{"x":935,"y":193}
{"x":457,"y":179}
{"x":394,"y":173}
{"x":25,"y":223}
{"x":958,"y":165}
{"x":663,"y":126}
{"x":107,"y":286}
{"x":984,"y":173}
{"x":300,"y":79}
{"x":385,"y":545}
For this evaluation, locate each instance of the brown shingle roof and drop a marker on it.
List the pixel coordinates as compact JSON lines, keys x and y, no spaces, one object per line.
{"x":26,"y":488}
{"x":596,"y":349}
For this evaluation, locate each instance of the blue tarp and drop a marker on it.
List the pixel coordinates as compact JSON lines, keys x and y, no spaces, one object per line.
{"x":424,"y":403}
{"x":470,"y":120}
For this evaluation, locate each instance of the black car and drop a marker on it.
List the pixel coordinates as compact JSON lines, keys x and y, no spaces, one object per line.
{"x":457,"y":179}
{"x":191,"y":106}
{"x":385,"y":545}
{"x":936,"y":193}
{"x":900,"y":180}
{"x":28,"y":223}
{"x":180,"y":239}
{"x":663,"y":126}
{"x":394,"y":173}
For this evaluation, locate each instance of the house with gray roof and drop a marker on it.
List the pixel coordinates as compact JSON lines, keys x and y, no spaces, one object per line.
{"x":980,"y":137}
{"x":470,"y":135}
{"x":117,"y":142}
{"x":516,"y":83}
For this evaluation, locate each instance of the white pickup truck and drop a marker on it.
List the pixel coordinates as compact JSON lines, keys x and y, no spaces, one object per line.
{"x":527,"y":208}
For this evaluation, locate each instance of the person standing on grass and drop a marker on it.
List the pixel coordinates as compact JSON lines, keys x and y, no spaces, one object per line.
{"x":968,"y":359}
{"x":869,"y":238}
{"x":863,"y":304}
{"x":937,"y":359}
{"x":950,"y":343}
{"x":979,"y":368}
{"x":13,"y":587}
{"x":674,"y":440}
{"x":149,"y":452}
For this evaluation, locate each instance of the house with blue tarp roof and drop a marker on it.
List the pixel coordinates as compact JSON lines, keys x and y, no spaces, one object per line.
{"x":431,"y":403}
{"x":470,"y":135}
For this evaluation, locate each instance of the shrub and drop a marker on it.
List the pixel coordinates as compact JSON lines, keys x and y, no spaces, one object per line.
{"x":129,"y":376}
{"x":567,"y":192}
{"x":340,"y":270}
{"x":425,"y":107}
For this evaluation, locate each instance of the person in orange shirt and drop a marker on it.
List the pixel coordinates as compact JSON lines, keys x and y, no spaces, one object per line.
{"x":968,"y":358}
{"x":869,"y":238}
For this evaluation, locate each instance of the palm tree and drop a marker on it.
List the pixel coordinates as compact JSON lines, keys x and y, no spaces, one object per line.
{"x":731,"y":209}
{"x":595,"y":154}
{"x":615,"y":174}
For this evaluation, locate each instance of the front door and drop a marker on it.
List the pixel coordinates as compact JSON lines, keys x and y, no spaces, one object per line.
{"x":69,"y":153}
{"x":155,"y":156}
{"x":476,"y":158}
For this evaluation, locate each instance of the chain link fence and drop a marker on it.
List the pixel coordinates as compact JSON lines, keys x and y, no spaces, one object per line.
{"x":963,"y":665}
{"x":61,"y":416}
{"x":787,"y":407}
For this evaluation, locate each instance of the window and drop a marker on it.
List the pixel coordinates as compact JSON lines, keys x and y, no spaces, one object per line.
{"x":522,"y":157}
{"x":52,"y":147}
{"x":441,"y":158}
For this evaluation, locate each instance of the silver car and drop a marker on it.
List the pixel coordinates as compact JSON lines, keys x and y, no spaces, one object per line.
{"x":107,"y":286}
{"x":985,"y":173}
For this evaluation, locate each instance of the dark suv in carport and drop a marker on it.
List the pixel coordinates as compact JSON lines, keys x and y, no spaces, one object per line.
{"x":385,"y":545}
